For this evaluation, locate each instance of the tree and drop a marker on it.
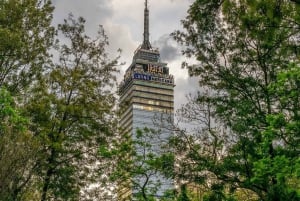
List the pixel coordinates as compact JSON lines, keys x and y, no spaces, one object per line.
{"x":242,"y":48}
{"x":26,"y":35}
{"x":72,"y":110}
{"x":138,"y":166}
{"x":200,"y":142}
{"x":18,"y":150}
{"x":183,"y":194}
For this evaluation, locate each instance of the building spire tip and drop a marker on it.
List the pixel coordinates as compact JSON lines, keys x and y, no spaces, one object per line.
{"x":146,"y":42}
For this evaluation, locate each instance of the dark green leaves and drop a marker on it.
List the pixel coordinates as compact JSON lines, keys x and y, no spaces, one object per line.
{"x":247,"y":61}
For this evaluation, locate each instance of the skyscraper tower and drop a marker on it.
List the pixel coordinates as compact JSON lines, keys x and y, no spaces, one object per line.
{"x":147,"y":93}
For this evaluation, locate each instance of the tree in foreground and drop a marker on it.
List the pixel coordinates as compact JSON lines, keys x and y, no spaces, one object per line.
{"x":18,"y":151}
{"x":26,"y":35}
{"x":69,"y":104}
{"x":248,"y":60}
{"x":136,"y":165}
{"x":72,"y":113}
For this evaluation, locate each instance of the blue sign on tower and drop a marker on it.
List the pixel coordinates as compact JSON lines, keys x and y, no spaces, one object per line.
{"x":141,"y":76}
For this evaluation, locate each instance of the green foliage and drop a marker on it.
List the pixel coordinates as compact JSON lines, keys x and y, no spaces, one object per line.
{"x":26,"y":35}
{"x":17,"y":150}
{"x":183,"y":194}
{"x":72,"y":112}
{"x":248,"y":61}
{"x":137,"y":164}
{"x":68,"y":104}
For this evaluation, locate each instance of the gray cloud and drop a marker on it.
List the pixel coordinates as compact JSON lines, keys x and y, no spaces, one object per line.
{"x":183,"y":88}
{"x":169,"y":49}
{"x":95,"y":12}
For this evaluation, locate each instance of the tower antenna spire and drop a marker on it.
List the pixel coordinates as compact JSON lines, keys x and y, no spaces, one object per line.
{"x":146,"y":43}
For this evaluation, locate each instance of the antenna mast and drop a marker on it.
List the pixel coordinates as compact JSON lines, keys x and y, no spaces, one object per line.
{"x":146,"y":43}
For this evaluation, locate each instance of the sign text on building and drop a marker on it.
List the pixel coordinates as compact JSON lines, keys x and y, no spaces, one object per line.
{"x":141,"y":76}
{"x":155,"y":69}
{"x":152,"y":68}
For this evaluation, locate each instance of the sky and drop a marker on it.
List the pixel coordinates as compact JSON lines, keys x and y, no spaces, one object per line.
{"x":123,"y":23}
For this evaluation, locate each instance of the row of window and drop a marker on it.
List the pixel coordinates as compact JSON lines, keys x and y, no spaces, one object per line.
{"x":154,"y":96}
{"x":148,"y":56}
{"x":152,"y":102}
{"x":143,"y":91}
{"x":152,"y":108}
{"x":153,"y":90}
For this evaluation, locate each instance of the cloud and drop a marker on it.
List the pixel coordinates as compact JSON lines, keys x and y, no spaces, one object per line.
{"x":100,"y":12}
{"x":169,"y":49}
{"x":95,"y":12}
{"x":165,"y":16}
{"x":183,"y":88}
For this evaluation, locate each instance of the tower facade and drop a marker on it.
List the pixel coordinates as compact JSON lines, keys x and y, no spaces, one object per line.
{"x":147,"y":95}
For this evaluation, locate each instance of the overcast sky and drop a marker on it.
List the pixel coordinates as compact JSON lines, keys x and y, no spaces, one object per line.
{"x":123,"y":23}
